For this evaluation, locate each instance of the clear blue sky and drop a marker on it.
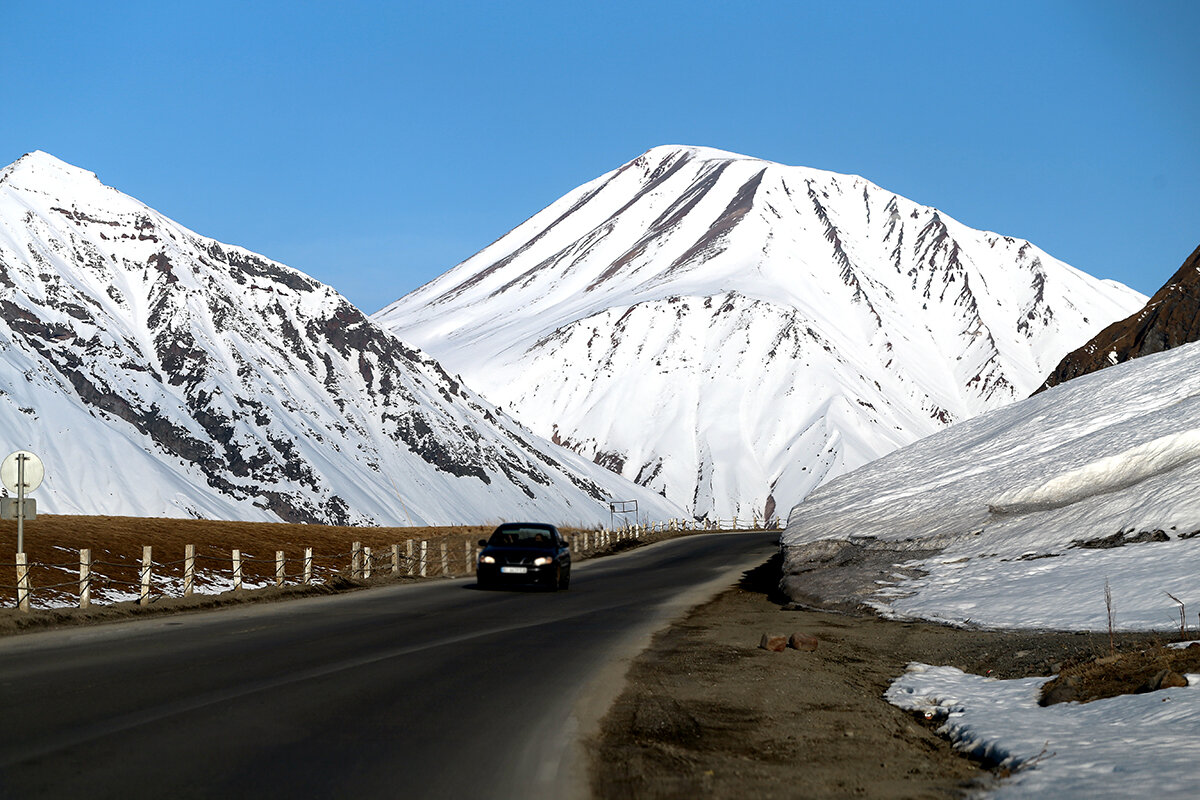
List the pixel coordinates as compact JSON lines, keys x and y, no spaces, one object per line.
{"x":376,"y":144}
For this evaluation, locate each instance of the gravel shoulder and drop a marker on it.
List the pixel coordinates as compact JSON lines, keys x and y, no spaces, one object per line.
{"x":706,"y":712}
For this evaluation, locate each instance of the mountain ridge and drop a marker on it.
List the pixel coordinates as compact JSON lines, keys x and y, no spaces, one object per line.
{"x":162,"y":373}
{"x":1168,"y":320}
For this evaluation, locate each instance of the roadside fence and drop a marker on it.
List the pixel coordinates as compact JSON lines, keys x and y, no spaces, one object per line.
{"x":145,"y":580}
{"x":55,"y":585}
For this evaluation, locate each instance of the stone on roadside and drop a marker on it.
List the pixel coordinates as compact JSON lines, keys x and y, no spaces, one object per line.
{"x":802,"y":641}
{"x":776,"y":644}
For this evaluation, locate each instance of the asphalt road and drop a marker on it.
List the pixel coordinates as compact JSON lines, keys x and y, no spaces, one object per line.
{"x":427,"y":690}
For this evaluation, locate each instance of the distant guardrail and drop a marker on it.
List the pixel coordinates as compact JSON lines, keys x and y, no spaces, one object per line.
{"x":145,"y":580}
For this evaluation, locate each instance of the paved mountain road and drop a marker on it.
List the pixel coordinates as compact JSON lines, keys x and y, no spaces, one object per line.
{"x":427,"y":690}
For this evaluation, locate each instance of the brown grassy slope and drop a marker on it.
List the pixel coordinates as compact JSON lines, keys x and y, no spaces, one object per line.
{"x":50,"y":535}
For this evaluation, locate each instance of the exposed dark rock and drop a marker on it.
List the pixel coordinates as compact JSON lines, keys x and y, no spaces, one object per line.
{"x":1122,"y":538}
{"x":613,"y":462}
{"x":1170,"y":319}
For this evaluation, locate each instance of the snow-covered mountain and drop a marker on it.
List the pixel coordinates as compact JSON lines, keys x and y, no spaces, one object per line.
{"x":158,"y":372}
{"x":732,"y":332}
{"x":1171,"y":318}
{"x":1021,"y":516}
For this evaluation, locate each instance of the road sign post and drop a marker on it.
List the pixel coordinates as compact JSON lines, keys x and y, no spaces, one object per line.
{"x":22,"y":472}
{"x":621,"y":507}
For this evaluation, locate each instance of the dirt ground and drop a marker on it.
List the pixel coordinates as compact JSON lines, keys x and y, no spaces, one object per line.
{"x":707,"y":713}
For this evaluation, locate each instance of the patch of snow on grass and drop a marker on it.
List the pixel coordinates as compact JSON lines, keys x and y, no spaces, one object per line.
{"x":1113,"y":748}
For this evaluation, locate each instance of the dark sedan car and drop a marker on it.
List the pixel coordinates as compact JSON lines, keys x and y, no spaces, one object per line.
{"x":524,"y":553}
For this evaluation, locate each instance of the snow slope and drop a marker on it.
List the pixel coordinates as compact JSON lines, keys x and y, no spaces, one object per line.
{"x":732,"y":332}
{"x":1035,"y":507}
{"x":158,"y":372}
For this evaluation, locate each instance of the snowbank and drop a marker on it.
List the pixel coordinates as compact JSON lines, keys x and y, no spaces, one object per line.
{"x":1109,"y":474}
{"x":1017,"y":502}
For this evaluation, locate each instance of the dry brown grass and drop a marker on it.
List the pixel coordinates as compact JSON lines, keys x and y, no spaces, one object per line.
{"x":1118,"y":674}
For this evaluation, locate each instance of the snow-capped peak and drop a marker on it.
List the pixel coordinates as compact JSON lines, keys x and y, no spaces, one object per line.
{"x":732,"y":332}
{"x":47,"y":174}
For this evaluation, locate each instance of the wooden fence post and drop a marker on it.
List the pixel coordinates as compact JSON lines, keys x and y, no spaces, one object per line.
{"x":445,"y":560}
{"x":23,"y":588}
{"x":424,"y":554}
{"x":408,"y":548}
{"x":395,"y":559}
{"x":144,"y":595}
{"x":237,"y":570}
{"x":85,"y":577}
{"x":279,"y":574}
{"x":307,"y":565}
{"x":189,"y":569}
{"x":356,"y":560}
{"x":366,"y":562}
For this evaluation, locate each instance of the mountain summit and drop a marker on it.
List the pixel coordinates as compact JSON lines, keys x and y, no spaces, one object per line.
{"x":732,"y":332}
{"x":159,"y":372}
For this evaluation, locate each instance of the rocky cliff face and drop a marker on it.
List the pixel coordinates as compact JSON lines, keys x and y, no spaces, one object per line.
{"x":1171,"y":318}
{"x":160,"y":372}
{"x":732,"y":332}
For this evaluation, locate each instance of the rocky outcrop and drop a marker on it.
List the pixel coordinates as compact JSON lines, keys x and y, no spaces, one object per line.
{"x":1170,"y":319}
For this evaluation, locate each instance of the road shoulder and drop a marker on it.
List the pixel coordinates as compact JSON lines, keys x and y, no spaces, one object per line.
{"x":707,"y":712}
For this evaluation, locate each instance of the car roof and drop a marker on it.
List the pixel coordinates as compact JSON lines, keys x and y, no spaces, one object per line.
{"x":508,"y":526}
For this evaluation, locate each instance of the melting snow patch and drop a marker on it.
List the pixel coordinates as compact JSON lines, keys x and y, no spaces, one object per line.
{"x":1065,"y":592}
{"x":1134,"y":745}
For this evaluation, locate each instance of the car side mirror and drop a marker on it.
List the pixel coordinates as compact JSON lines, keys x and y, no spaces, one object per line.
{"x":483,"y":542}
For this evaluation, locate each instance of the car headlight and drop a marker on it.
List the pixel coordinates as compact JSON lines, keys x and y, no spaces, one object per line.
{"x":487,"y":560}
{"x":542,"y":561}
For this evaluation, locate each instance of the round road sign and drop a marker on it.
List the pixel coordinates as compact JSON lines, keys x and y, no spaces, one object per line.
{"x":11,"y":469}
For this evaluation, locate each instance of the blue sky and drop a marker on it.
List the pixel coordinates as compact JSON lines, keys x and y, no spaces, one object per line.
{"x":376,"y":144}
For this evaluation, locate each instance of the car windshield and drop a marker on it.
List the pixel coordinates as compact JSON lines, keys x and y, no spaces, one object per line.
{"x":521,"y":537}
